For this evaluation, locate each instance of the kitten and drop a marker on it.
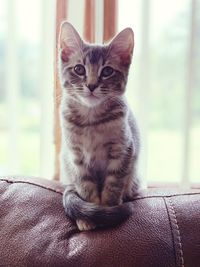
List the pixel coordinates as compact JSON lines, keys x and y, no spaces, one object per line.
{"x":100,"y":140}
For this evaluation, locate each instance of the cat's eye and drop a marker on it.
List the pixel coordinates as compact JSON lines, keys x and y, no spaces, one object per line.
{"x":79,"y":69}
{"x":107,"y":71}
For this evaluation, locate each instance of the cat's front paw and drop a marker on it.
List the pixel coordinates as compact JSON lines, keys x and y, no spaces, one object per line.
{"x":85,"y":226}
{"x":110,"y":199}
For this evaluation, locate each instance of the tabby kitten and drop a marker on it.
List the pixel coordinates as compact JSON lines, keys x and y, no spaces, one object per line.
{"x":100,"y":141}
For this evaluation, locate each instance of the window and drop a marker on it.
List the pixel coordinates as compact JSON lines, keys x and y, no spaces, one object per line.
{"x":163,"y":87}
{"x":26,"y":88}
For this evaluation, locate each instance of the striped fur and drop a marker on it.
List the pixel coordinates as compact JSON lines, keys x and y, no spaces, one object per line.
{"x":94,"y":215}
{"x":100,"y":140}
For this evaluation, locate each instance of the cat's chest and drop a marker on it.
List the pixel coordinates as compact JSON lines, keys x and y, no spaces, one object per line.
{"x":91,"y":144}
{"x":91,"y":139}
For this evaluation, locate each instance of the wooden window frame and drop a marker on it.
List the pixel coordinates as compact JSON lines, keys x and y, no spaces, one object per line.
{"x":61,"y":14}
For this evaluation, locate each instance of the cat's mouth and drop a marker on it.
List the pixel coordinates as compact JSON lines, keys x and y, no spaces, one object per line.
{"x":91,"y":96}
{"x":91,"y":100}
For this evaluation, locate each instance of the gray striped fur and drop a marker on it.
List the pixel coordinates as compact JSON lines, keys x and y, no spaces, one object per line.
{"x":100,"y":140}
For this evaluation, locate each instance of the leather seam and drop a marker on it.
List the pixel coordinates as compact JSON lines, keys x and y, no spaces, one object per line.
{"x":174,"y":220}
{"x":8,"y":180}
{"x":168,"y":195}
{"x":171,"y":228}
{"x":26,"y":182}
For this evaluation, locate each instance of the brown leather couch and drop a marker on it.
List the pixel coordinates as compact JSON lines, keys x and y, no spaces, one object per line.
{"x":164,"y":230}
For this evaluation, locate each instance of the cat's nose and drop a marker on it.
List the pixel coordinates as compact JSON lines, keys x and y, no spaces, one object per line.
{"x":92,"y":87}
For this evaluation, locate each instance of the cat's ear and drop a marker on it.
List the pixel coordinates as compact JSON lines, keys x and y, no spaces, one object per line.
{"x":69,"y":41}
{"x":122,"y":45}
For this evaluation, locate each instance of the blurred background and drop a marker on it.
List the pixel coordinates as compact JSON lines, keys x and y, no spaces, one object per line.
{"x":163,"y":87}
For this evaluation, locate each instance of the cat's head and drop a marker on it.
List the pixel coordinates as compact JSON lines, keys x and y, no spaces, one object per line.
{"x":92,"y":73}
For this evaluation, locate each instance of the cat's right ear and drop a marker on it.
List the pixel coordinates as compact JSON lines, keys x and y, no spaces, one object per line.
{"x":69,"y":41}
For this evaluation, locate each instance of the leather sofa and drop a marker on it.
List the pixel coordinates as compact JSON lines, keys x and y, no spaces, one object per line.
{"x":164,"y":230}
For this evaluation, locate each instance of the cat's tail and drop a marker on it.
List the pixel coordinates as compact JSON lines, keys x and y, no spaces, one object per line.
{"x":78,"y":209}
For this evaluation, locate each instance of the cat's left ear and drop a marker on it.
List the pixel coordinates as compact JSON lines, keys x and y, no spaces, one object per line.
{"x":122,"y":45}
{"x":69,"y":41}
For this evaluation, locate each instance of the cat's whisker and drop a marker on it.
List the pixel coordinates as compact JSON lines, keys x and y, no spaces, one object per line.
{"x":104,"y":90}
{"x":73,"y":88}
